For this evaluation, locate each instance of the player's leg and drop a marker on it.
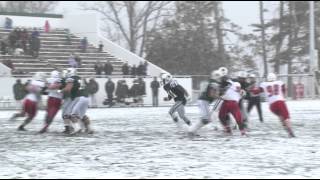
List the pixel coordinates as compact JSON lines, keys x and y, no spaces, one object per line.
{"x":53,"y":107}
{"x":66,"y":115}
{"x":236,"y":112}
{"x":250,"y":105}
{"x":258,"y":105}
{"x":20,"y":114}
{"x":244,"y":114}
{"x":87,"y":124}
{"x":81,"y":110}
{"x":223,"y":117}
{"x":182,"y":114}
{"x":173,"y":110}
{"x":31,"y":110}
{"x":285,"y":117}
{"x":78,"y":113}
{"x":279,"y":108}
{"x":205,"y":116}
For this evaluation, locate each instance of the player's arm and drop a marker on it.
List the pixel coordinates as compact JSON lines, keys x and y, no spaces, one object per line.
{"x":68,"y":87}
{"x":168,"y":98}
{"x":179,"y":88}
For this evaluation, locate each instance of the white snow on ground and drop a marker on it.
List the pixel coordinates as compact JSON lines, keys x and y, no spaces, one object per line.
{"x":144,"y":143}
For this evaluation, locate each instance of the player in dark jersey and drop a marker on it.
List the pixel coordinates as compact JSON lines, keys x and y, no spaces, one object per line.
{"x":254,"y":96}
{"x":71,"y":94}
{"x":179,"y":94}
{"x":209,"y":94}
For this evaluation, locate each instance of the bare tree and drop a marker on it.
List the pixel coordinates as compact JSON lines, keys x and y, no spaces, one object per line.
{"x":132,"y":18}
{"x":28,"y":6}
{"x":219,"y":30}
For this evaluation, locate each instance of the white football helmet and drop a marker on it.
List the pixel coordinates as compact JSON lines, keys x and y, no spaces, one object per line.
{"x":252,"y":76}
{"x":271,"y":77}
{"x":166,"y":78}
{"x":224,"y":71}
{"x":216,"y":75}
{"x":55,"y":74}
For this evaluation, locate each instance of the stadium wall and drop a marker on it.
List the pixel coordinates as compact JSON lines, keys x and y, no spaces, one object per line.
{"x":7,"y":83}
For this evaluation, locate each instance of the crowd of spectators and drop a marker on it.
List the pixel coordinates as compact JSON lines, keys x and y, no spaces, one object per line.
{"x":123,"y":92}
{"x":140,"y":70}
{"x":21,"y":42}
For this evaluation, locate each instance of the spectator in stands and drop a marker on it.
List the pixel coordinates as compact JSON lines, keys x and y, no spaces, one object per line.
{"x":100,"y":46}
{"x":35,"y":46}
{"x":46,"y":27}
{"x":8,"y":23}
{"x":142,"y":90}
{"x":134,"y":71}
{"x":19,"y":92}
{"x":122,"y":91}
{"x":84,"y":44}
{"x":145,"y":70}
{"x":19,"y":33}
{"x":93,"y":88}
{"x":4,"y":47}
{"x":140,"y":69}
{"x":35,"y":33}
{"x":72,"y":61}
{"x":155,"y":85}
{"x":24,"y":40}
{"x":109,"y":88}
{"x":78,"y":60}
{"x":134,"y":91}
{"x":98,"y":68}
{"x":125,"y":69}
{"x":68,"y":37}
{"x":108,"y":68}
{"x":13,"y":38}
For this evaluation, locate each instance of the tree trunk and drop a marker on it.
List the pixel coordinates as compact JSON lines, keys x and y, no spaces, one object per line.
{"x":263,"y":34}
{"x":280,"y":41}
{"x":132,"y":26}
{"x":219,"y":32}
{"x":290,"y":46}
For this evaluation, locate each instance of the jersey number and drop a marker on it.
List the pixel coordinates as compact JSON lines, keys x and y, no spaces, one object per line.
{"x":273,"y":90}
{"x":172,"y":94}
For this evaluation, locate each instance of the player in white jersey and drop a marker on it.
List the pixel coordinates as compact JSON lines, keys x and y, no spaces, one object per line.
{"x":275,"y":91}
{"x":30,"y":102}
{"x":231,"y":98}
{"x":55,"y":83}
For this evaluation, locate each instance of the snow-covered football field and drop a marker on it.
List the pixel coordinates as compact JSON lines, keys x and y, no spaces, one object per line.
{"x":144,"y":143}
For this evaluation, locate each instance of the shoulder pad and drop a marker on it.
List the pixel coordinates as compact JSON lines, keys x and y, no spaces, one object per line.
{"x":173,"y":83}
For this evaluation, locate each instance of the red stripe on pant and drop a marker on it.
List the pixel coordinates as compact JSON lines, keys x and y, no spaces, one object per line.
{"x":279,"y":108}
{"x":233,"y":108}
{"x":30,"y":108}
{"x":53,"y":107}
